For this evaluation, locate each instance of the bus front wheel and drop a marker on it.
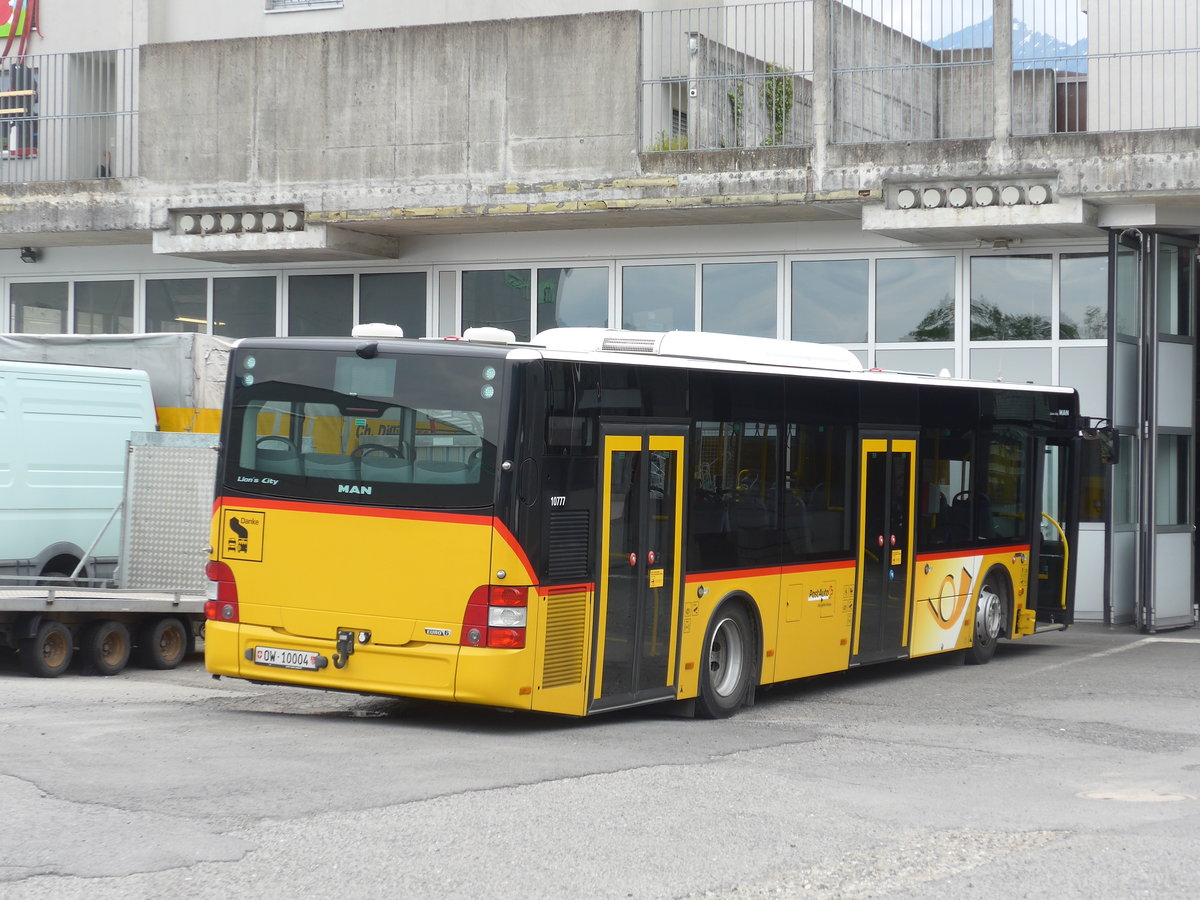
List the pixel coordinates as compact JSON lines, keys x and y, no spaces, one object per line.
{"x":726,"y":663}
{"x":991,"y":615}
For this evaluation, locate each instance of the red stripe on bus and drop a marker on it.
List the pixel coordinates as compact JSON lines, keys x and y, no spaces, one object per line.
{"x":344,"y":509}
{"x":767,"y":572}
{"x":412,"y":515}
{"x":975,"y":551}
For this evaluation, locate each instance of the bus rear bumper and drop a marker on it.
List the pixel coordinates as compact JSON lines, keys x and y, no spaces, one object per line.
{"x":418,"y":669}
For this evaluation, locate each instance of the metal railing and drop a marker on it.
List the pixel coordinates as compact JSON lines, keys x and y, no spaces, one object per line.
{"x":1124,"y":65}
{"x":281,"y":5}
{"x":725,"y":77}
{"x":68,"y":116}
{"x":742,"y":75}
{"x":907,"y":70}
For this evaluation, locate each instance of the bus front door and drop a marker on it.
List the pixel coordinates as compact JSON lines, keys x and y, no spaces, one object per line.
{"x":640,"y":549}
{"x":885,"y":549}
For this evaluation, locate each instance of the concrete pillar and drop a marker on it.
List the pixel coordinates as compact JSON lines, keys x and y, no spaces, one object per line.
{"x":1002,"y":54}
{"x":822,"y":97}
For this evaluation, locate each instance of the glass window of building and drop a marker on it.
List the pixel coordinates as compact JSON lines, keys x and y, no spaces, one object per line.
{"x":177,"y":304}
{"x":1128,"y":310}
{"x":739,"y":298}
{"x":320,"y":305}
{"x":1175,"y":266}
{"x":1083,"y":297}
{"x":658,"y":298}
{"x":38,"y":307}
{"x":1172,"y":467}
{"x":1125,"y":482}
{"x":395,"y":298}
{"x":574,"y":297}
{"x":1010,"y":298}
{"x":497,"y":297}
{"x":830,"y":299}
{"x":244,"y":306}
{"x":104,"y":307}
{"x":914,"y":299}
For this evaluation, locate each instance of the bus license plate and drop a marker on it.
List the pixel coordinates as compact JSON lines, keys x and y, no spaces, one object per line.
{"x":285,"y":659}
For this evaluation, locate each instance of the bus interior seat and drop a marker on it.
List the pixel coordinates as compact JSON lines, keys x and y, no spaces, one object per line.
{"x":284,"y":461}
{"x":376,"y":467}
{"x":440,"y":471}
{"x":330,"y":465}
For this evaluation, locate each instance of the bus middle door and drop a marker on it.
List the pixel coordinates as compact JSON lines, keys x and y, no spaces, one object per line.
{"x":640,"y":573}
{"x":885,"y":549}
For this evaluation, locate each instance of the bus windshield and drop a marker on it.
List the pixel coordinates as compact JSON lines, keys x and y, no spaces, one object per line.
{"x":410,"y":430}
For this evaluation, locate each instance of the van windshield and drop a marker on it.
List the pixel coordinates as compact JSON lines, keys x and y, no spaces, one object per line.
{"x":393,"y":430}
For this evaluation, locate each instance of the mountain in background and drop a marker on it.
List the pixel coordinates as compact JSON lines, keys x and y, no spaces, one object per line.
{"x":1040,"y":49}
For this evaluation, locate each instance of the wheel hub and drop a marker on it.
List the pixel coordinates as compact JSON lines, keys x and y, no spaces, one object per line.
{"x":988,"y":617}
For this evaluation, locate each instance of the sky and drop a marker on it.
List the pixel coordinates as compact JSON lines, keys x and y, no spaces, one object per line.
{"x":931,"y":19}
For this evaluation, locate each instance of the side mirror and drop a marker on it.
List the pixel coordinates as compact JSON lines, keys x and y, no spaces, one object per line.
{"x":1110,"y":443}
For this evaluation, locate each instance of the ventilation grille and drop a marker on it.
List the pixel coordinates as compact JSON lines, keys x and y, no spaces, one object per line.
{"x":566,"y":624}
{"x":567,"y":557}
{"x":630,"y":344}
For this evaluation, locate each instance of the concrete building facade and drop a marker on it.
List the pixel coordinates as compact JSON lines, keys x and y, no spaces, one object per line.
{"x":1002,"y":189}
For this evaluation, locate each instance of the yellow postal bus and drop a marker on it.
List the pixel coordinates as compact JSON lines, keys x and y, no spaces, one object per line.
{"x":602,"y":519}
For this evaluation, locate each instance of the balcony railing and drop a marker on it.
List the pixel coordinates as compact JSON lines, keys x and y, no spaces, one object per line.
{"x":904,"y":70}
{"x":68,"y":116}
{"x":728,"y":76}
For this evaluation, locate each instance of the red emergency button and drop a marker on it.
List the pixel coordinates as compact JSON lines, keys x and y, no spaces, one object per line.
{"x":633,"y":559}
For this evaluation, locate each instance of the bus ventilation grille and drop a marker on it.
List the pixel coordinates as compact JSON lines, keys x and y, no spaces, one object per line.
{"x":566,"y":630}
{"x":629,"y":345}
{"x":567,"y":557}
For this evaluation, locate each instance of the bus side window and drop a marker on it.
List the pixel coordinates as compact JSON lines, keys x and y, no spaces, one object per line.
{"x":816,"y":512}
{"x":945,"y":503}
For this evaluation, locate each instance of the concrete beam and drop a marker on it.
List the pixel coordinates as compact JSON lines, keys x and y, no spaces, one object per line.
{"x":317,"y":242}
{"x":1066,"y":217}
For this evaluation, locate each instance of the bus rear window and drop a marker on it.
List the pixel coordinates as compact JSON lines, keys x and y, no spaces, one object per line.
{"x":398,"y":430}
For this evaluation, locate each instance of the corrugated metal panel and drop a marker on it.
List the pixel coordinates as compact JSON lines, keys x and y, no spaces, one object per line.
{"x":566,"y":637}
{"x":570,"y":535}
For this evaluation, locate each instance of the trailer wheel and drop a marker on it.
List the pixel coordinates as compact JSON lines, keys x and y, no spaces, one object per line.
{"x":164,"y":643}
{"x":48,"y":653}
{"x":105,"y":648}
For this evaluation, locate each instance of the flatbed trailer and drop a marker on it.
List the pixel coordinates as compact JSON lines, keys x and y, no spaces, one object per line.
{"x":153,"y":608}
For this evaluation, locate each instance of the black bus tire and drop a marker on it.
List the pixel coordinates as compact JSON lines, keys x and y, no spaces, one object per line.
{"x":48,"y":653}
{"x":105,"y":648}
{"x":726,"y":663}
{"x":164,"y":643}
{"x":991,"y":617}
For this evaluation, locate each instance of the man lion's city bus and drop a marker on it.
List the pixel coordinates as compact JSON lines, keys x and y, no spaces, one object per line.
{"x":603,"y":519}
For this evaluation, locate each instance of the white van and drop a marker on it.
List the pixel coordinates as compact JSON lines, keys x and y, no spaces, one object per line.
{"x":63,"y":441}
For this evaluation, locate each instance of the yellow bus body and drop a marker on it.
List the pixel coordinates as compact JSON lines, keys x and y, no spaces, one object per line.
{"x":403,"y":578}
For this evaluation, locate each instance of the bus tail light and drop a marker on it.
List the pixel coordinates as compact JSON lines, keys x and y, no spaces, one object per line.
{"x":496,"y":616}
{"x":222,"y":602}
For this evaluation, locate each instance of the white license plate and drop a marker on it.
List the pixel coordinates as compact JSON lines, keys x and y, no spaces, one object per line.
{"x":285,"y":659}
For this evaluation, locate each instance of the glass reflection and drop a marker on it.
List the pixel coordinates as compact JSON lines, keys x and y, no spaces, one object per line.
{"x":1010,"y":298}
{"x":739,"y":298}
{"x":914,"y":299}
{"x":829,"y":300}
{"x":1083,"y":297}
{"x":659,"y":298}
{"x":576,"y":297}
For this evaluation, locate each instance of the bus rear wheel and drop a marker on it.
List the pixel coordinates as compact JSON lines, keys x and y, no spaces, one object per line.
{"x":990,"y":617}
{"x":48,"y":653}
{"x":726,"y":663}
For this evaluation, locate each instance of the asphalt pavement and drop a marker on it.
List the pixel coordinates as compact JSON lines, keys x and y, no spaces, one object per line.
{"x":1067,"y":767}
